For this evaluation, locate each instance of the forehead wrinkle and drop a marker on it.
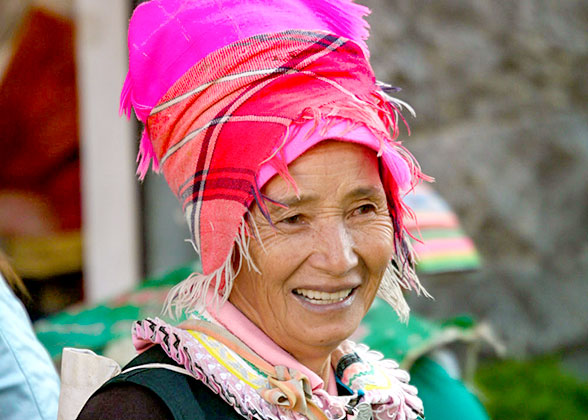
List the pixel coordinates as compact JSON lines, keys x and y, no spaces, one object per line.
{"x":365,"y":192}
{"x":293,"y":200}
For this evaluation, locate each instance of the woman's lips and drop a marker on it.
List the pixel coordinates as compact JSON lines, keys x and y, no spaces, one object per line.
{"x":317,"y":297}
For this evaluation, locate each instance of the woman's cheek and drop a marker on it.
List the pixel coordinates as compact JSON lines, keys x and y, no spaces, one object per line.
{"x":378,"y":232}
{"x":280,"y":246}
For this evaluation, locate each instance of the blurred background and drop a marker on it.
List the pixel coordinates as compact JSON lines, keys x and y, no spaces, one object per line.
{"x":500,"y":89}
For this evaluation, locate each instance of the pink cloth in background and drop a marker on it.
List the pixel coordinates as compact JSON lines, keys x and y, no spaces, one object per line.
{"x":442,"y":246}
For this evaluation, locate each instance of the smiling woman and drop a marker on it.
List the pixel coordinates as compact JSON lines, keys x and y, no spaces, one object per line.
{"x":281,"y":146}
{"x":321,"y":260}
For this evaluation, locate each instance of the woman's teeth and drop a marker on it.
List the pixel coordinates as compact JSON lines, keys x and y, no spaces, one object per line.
{"x":323,"y":298}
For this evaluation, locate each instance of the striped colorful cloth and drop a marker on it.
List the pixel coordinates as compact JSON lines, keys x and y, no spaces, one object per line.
{"x":440,"y":243}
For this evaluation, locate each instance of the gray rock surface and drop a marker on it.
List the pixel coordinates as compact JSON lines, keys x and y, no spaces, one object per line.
{"x":501,"y":89}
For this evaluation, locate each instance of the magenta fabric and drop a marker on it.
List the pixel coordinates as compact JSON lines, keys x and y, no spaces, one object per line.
{"x":307,"y":135}
{"x":175,"y":34}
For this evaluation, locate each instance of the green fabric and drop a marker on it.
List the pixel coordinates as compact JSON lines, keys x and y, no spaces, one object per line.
{"x":95,"y":327}
{"x":405,"y":343}
{"x":444,"y":397}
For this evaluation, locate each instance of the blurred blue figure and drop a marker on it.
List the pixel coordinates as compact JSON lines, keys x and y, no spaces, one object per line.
{"x":29,"y":385}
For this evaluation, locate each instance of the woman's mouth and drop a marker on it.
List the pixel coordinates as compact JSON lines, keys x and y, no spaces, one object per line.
{"x":317,"y":297}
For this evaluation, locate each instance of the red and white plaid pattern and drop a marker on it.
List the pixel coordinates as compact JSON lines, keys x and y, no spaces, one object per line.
{"x":225,"y":116}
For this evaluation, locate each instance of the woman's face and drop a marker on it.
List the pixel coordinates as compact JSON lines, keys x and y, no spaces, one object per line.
{"x":326,"y":253}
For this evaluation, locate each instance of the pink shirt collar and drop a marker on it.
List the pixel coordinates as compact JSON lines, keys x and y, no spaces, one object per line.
{"x":239,"y":325}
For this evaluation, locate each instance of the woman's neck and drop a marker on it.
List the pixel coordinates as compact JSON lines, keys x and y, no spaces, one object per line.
{"x":319,"y":365}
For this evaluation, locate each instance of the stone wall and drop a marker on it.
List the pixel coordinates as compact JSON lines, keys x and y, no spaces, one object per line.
{"x":500,"y":89}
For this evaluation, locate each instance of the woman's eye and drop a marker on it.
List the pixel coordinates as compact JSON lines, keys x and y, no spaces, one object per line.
{"x":292,"y":220}
{"x":364,"y":209}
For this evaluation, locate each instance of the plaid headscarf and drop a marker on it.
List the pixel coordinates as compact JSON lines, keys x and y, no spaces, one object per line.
{"x":238,"y":107}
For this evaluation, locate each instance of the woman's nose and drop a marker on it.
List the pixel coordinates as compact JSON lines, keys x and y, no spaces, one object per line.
{"x":333,"y":249}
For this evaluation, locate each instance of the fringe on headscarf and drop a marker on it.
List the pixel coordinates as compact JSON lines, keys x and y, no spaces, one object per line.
{"x":146,"y":155}
{"x":399,"y":276}
{"x":379,"y":110}
{"x":190,"y":295}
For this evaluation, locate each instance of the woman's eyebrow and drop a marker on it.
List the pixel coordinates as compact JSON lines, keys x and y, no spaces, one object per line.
{"x":293,"y":200}
{"x":365,"y":192}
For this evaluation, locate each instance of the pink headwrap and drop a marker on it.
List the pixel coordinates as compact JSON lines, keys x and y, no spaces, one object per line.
{"x":232,"y":91}
{"x":167,"y":37}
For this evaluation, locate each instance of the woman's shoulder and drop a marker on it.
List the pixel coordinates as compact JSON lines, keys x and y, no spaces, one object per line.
{"x":153,"y":386}
{"x":129,"y":401}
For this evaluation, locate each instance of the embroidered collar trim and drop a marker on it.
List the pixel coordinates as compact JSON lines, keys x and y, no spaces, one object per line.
{"x":376,"y":382}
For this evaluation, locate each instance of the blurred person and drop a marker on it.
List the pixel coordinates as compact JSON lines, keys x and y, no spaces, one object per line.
{"x":29,"y":385}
